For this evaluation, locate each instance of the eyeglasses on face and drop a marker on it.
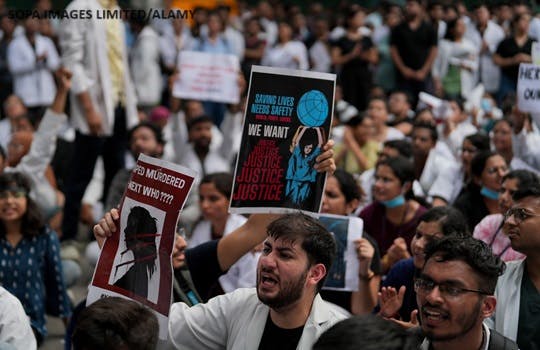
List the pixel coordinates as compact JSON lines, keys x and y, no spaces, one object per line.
{"x":425,"y":286}
{"x":14,"y":194}
{"x":520,"y":215}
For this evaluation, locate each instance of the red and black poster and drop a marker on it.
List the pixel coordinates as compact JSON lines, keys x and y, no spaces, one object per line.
{"x":287,"y":121}
{"x":135,"y":262}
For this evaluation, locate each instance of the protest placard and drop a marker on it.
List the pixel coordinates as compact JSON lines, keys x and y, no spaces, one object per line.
{"x":287,"y":121}
{"x":207,"y":77}
{"x":343,"y":274}
{"x":528,"y":88}
{"x":135,"y":262}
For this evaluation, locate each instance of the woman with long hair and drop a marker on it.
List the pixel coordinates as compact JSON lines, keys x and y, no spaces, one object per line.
{"x":480,"y":197}
{"x":30,"y":265}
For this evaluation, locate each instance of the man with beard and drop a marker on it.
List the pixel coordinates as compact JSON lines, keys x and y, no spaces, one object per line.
{"x":284,"y":311}
{"x":198,"y":155}
{"x":454,"y":293}
{"x":518,"y":312}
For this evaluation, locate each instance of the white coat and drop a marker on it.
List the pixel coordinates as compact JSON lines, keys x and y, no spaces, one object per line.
{"x":33,"y":82}
{"x":84,"y":52}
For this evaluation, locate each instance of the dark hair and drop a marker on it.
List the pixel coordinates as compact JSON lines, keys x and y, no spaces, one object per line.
{"x":158,"y":134}
{"x":222,"y":181}
{"x":525,"y":178}
{"x":473,"y":252}
{"x":317,"y":242}
{"x":2,"y":152}
{"x":531,"y":191}
{"x":140,"y":225}
{"x":401,"y":167}
{"x":32,"y":221}
{"x":406,"y":93}
{"x":450,"y":219}
{"x":404,"y":147}
{"x":197,"y":120}
{"x":355,"y":120}
{"x":432,"y":129}
{"x":116,"y":323}
{"x":347,"y":185}
{"x":308,"y":138}
{"x":478,"y":163}
{"x":479,"y":141}
{"x":351,"y":12}
{"x":450,"y":25}
{"x":366,"y":332}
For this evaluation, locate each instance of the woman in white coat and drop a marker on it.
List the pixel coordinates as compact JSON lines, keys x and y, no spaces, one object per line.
{"x":456,"y":63}
{"x":32,"y":59}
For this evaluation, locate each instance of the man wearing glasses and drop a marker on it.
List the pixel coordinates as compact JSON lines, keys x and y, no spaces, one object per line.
{"x":517,"y":314}
{"x":454,"y":292}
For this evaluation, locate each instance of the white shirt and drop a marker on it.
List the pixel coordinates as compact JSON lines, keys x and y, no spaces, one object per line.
{"x":33,"y":82}
{"x":292,"y":55}
{"x":15,"y":327}
{"x":320,"y":57}
{"x":489,"y":73}
{"x":236,"y":321}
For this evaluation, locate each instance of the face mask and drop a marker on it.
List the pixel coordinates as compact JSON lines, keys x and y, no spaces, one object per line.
{"x":394,"y":202}
{"x":486,"y":104}
{"x":488,"y":193}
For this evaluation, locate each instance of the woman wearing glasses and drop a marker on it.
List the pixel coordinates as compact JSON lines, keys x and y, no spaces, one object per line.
{"x":490,"y":230}
{"x":30,"y":265}
{"x":480,"y":197}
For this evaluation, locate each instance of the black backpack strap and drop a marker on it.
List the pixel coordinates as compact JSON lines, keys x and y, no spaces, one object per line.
{"x":499,"y":342}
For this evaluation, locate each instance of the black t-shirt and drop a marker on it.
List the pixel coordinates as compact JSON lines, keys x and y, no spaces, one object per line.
{"x":509,"y":48}
{"x":528,"y":336}
{"x":203,"y":265}
{"x":414,"y":45}
{"x":275,"y":337}
{"x":346,"y":45}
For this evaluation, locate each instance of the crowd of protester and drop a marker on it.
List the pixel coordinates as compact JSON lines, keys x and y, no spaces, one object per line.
{"x":447,"y":192}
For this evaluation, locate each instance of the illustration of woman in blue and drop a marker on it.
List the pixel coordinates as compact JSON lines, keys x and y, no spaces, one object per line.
{"x":301,"y":176}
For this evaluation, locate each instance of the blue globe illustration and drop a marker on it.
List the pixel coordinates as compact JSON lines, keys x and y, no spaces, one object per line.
{"x":312,"y":108}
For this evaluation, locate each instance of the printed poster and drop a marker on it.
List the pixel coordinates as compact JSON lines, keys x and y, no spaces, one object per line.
{"x":343,"y":274}
{"x":207,"y":77}
{"x":287,"y":121}
{"x":528,"y":88}
{"x":135,"y":263}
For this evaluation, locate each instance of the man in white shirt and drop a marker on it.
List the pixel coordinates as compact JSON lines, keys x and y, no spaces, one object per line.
{"x":454,"y":293}
{"x":283,"y":311}
{"x":518,"y":289}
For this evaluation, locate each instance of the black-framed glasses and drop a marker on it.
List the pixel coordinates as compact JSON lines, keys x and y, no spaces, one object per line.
{"x":520,"y":215}
{"x":425,"y":286}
